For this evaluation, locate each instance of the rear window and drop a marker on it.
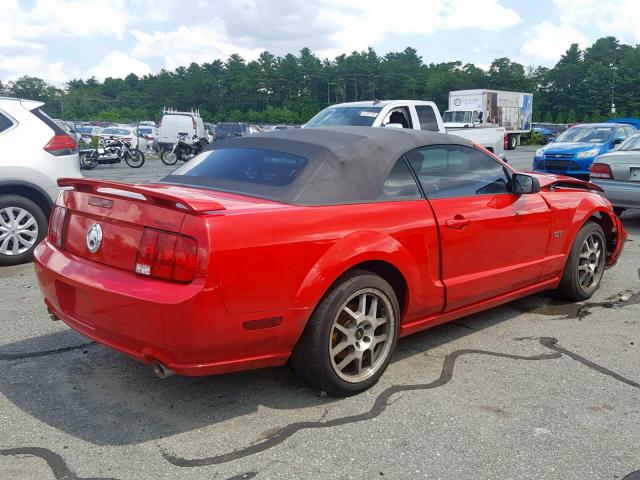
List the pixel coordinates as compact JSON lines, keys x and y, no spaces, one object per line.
{"x":115,"y":131}
{"x":145,"y":130}
{"x":215,"y":168}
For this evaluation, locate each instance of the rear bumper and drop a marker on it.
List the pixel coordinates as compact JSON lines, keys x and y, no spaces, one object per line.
{"x":185,"y":327}
{"x":622,"y":194}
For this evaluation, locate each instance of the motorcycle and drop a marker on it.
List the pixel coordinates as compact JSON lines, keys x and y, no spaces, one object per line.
{"x":182,"y":150}
{"x":113,"y":151}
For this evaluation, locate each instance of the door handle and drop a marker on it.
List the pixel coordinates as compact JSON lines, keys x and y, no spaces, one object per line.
{"x":458,"y":222}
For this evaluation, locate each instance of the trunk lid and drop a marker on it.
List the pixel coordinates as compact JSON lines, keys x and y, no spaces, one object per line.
{"x":122,"y":213}
{"x":105,"y":221}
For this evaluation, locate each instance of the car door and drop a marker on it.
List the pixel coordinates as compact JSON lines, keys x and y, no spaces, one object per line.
{"x":492,"y":241}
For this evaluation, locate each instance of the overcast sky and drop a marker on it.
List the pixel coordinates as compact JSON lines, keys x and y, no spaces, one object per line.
{"x":63,"y":39}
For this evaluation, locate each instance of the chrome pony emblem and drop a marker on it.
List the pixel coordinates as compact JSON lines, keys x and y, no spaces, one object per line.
{"x":94,"y":237}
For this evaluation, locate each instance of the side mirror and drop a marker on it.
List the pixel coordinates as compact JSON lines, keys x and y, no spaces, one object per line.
{"x":522,"y":183}
{"x":618,"y":140}
{"x":393,"y":125}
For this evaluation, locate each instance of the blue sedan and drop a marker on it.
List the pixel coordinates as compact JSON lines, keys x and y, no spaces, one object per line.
{"x":574,"y":150}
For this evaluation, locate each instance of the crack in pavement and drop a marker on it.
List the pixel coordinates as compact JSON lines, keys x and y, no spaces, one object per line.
{"x":552,"y":343}
{"x":20,"y":356}
{"x":61,"y":471}
{"x":382,"y":402}
{"x":56,"y":463}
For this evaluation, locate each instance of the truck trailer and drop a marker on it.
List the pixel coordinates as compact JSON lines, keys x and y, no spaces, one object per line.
{"x":482,"y":107}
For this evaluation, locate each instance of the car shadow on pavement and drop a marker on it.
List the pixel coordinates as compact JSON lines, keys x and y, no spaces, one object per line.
{"x":106,"y":398}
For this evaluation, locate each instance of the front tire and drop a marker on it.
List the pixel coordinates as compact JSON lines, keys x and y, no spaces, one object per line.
{"x":23,"y":225}
{"x":585,"y":265}
{"x":350,"y":337}
{"x":168,"y":157}
{"x":135,"y":161}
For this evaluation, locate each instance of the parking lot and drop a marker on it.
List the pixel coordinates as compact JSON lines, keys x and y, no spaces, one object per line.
{"x":535,"y":389}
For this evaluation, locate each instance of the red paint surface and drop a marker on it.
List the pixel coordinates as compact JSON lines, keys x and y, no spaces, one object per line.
{"x":257,"y":260}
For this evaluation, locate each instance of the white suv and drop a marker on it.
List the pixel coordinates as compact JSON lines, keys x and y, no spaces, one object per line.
{"x":34,"y":153}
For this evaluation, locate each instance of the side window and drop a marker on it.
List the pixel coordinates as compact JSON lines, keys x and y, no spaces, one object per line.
{"x":5,"y":123}
{"x":400,"y":116}
{"x":427,"y":118}
{"x":630,"y":131}
{"x":447,"y":171}
{"x":400,"y":184}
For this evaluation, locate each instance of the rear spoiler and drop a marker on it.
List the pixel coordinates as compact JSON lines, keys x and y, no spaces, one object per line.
{"x":178,"y":198}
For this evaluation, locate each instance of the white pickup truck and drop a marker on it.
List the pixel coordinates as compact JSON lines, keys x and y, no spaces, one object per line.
{"x":415,"y":114}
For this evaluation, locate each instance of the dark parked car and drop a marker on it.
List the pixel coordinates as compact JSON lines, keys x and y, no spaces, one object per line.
{"x":230,"y":130}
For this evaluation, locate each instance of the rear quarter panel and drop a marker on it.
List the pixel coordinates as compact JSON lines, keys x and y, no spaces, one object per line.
{"x":288,"y":258}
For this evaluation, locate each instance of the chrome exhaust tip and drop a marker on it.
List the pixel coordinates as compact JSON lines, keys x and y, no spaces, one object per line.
{"x":160,"y":370}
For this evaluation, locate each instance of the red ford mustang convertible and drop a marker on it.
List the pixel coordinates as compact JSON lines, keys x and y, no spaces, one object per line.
{"x":316,"y":246}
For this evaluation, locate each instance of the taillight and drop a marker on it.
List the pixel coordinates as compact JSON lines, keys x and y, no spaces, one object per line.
{"x":601,"y":170}
{"x":57,"y":226}
{"x":505,"y":141}
{"x":61,"y":144}
{"x":166,"y":255}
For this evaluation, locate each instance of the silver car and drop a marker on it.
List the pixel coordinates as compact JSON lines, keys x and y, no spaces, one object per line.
{"x":618,"y":173}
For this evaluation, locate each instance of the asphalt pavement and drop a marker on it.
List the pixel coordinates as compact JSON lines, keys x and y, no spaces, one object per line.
{"x":536,"y":389}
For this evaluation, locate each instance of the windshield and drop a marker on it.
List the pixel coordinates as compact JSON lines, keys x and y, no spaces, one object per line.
{"x":457,"y":117}
{"x":145,"y":130}
{"x":586,"y":134}
{"x":354,"y":116}
{"x":632,"y":143}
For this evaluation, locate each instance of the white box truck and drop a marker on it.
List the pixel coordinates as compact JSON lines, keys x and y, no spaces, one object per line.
{"x":482,"y":107}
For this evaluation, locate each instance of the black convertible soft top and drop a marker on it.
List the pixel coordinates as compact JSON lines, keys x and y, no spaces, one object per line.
{"x":344,"y":164}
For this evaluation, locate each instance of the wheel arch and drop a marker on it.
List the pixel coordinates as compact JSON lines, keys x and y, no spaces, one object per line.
{"x":30,"y":191}
{"x":604,"y":217}
{"x":372,"y":251}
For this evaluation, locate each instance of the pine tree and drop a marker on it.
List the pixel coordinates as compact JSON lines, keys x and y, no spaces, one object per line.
{"x":560,"y":118}
{"x":547,"y":117}
{"x":571,"y":118}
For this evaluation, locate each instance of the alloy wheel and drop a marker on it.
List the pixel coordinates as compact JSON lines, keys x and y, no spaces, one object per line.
{"x":361,"y":335}
{"x":18,"y":231}
{"x":590,"y":262}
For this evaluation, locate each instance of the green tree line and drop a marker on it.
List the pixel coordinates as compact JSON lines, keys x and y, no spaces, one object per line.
{"x":272,"y":89}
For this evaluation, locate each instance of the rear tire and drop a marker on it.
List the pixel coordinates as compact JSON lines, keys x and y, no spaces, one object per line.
{"x":88,"y":162}
{"x":23,"y":225}
{"x":349,"y":341}
{"x":585,"y":265}
{"x":513,"y":142}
